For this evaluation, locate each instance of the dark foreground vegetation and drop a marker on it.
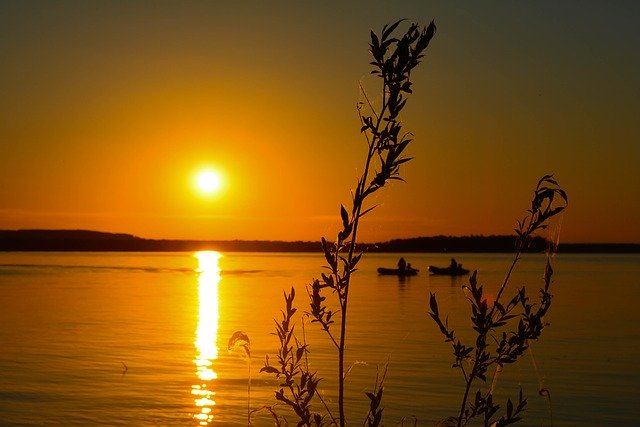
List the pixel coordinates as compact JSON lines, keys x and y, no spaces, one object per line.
{"x":503,"y":325}
{"x":85,"y":240}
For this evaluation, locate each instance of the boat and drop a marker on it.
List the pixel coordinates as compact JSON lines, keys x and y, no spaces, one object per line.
{"x":448,"y":271}
{"x":409,"y":271}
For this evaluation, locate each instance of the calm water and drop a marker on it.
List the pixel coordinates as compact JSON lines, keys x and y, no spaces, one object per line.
{"x":141,"y":339}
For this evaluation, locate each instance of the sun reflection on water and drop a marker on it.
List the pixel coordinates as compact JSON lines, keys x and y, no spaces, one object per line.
{"x":206,"y":335}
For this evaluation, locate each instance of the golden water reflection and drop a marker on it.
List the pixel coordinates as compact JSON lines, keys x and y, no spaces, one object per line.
{"x":206,"y":335}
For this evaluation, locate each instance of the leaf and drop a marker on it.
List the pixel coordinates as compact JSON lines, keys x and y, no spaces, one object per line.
{"x":299,"y":353}
{"x":427,"y":35}
{"x":328,"y":255}
{"x":367,"y":211}
{"x":240,"y":338}
{"x":378,"y":398}
{"x":355,"y":261}
{"x":433,"y":304}
{"x":374,"y":40}
{"x":281,"y":397}
{"x":344,"y":234}
{"x":269,"y":370}
{"x":401,"y":161}
{"x":345,"y":216}
{"x":386,"y":32}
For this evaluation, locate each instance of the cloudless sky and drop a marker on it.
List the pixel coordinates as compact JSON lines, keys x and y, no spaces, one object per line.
{"x":109,"y":109}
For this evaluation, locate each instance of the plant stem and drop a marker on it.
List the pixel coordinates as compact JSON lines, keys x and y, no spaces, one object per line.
{"x":358,"y":200}
{"x":464,"y":400}
{"x":506,"y":280}
{"x":341,"y":363}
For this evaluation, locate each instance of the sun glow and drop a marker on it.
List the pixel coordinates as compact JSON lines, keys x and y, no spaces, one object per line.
{"x":209,"y":181}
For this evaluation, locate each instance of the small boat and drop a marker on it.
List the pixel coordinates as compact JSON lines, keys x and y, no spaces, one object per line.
{"x":409,"y":271}
{"x":448,"y":271}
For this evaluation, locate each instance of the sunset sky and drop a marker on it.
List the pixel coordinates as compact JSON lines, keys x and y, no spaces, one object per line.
{"x":110,"y":109}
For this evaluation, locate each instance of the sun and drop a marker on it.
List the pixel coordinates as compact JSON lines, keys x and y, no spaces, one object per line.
{"x":209,"y":181}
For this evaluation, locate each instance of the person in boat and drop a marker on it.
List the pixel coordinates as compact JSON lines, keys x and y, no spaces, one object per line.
{"x":402,"y":264}
{"x":454,"y":265}
{"x":409,"y":267}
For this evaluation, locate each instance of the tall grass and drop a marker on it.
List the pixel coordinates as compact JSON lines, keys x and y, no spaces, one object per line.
{"x":502,"y":331}
{"x":393,"y":59}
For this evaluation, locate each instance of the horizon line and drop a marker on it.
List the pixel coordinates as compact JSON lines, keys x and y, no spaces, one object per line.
{"x":122,"y":234}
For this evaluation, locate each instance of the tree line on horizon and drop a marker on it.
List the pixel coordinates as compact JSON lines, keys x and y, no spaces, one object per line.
{"x":86,"y":240}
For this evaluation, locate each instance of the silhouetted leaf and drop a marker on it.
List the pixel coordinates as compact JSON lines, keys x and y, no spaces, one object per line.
{"x":345,"y":216}
{"x":375,"y":45}
{"x":433,"y":303}
{"x":328,"y":255}
{"x":386,"y":31}
{"x":240,"y":338}
{"x":355,"y":261}
{"x":269,"y":370}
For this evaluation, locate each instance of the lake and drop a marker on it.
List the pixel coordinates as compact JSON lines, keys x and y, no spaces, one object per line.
{"x":141,"y":339}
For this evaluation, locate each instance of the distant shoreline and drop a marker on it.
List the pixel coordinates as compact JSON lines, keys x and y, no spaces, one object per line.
{"x":96,"y":241}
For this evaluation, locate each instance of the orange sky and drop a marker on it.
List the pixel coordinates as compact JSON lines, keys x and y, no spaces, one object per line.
{"x":109,"y":108}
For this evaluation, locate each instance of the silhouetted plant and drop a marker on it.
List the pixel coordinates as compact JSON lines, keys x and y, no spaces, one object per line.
{"x":374,"y":417}
{"x":393,"y":60}
{"x":298,"y":385}
{"x":241,"y":339}
{"x":495,"y":344}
